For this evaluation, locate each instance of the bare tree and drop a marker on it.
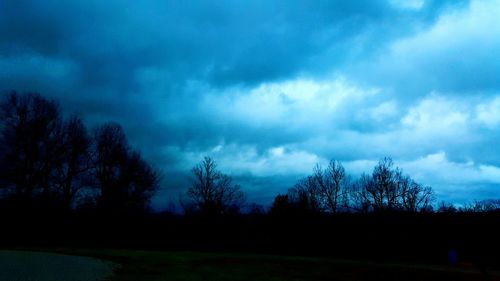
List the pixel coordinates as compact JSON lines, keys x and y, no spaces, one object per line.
{"x":389,"y":189}
{"x":445,"y":207}
{"x":141,"y":181}
{"x":110,"y":155}
{"x":126,"y":182}
{"x":44,"y":157}
{"x":360,"y":198}
{"x":306,"y":195}
{"x":414,"y":196}
{"x":31,"y":134}
{"x":213,"y":192}
{"x":74,"y":163}
{"x":487,"y":205}
{"x":281,"y":205}
{"x":333,"y":185}
{"x":384,"y":188}
{"x":327,"y":190}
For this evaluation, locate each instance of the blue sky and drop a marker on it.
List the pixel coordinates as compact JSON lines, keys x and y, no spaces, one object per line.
{"x":270,"y":88}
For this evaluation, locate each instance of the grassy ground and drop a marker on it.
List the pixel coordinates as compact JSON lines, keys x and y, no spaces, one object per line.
{"x":152,"y":266}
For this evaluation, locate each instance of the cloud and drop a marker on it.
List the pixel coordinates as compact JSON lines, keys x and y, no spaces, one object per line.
{"x":408,"y":4}
{"x":309,"y":103}
{"x":456,"y":181}
{"x":275,"y":161}
{"x":38,"y":71}
{"x":271,"y":88}
{"x":441,"y":170}
{"x":456,"y":54}
{"x":488,"y":113}
{"x":437,"y":116}
{"x":450,"y":124}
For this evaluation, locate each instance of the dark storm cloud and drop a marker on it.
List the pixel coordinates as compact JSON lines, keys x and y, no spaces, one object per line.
{"x":227,"y":42}
{"x":197,"y":78}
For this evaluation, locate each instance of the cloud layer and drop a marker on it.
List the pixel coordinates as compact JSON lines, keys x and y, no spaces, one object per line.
{"x":271,"y":88}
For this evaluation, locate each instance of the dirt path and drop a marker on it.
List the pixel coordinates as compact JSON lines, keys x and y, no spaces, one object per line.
{"x":39,"y":266}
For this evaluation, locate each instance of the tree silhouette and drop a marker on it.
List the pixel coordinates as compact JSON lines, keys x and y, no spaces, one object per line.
{"x":125,"y":181}
{"x":281,"y":205}
{"x":445,"y":207}
{"x":360,"y":200}
{"x":110,"y":156}
{"x":141,"y":181}
{"x":42,"y":156}
{"x":75,"y":162}
{"x":213,"y":192}
{"x":306,"y":195}
{"x":487,"y":205}
{"x":414,"y":196}
{"x":333,"y":185}
{"x":389,"y":189}
{"x":327,"y":190}
{"x":31,"y":135}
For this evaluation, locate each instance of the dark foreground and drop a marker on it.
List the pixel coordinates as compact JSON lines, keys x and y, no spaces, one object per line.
{"x":268,"y":247}
{"x":46,"y":266}
{"x":159,"y":265}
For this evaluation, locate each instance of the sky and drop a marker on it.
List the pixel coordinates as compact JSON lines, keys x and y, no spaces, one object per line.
{"x":270,"y":88}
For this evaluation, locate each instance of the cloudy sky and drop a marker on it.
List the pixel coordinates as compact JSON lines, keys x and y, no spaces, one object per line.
{"x":270,"y":88}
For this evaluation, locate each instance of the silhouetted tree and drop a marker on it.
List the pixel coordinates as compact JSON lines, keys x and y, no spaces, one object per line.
{"x":213,"y":192}
{"x":32,"y":130}
{"x":281,"y":205}
{"x":141,"y":181}
{"x":445,"y":207}
{"x":384,"y":189}
{"x":326,"y":190}
{"x":333,"y":186}
{"x":360,"y":200}
{"x":306,"y":195}
{"x":126,"y":182}
{"x":110,"y":156}
{"x":487,"y":205}
{"x":414,"y":196}
{"x":389,"y":189}
{"x":72,"y":169}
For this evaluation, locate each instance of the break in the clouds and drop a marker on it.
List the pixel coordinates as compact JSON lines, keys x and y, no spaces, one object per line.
{"x":270,"y":88}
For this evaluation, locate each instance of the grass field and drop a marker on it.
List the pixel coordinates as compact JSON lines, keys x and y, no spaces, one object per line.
{"x":153,"y":266}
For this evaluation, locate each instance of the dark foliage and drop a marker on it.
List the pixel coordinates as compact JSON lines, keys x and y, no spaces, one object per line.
{"x":31,"y":138}
{"x":126,"y":182}
{"x":48,"y":162}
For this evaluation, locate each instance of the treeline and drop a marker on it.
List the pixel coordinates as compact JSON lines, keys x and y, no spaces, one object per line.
{"x":52,"y":162}
{"x":331,"y":190}
{"x":328,"y":190}
{"x":49,"y":162}
{"x":63,"y":184}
